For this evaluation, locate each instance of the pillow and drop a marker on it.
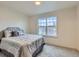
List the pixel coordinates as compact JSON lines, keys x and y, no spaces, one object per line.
{"x":20,"y":33}
{"x":7,"y":33}
{"x":14,"y":33}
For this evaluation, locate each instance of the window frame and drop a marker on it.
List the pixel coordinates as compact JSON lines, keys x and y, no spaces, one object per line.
{"x":49,"y":26}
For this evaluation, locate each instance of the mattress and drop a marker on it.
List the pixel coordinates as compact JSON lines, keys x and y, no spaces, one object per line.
{"x":22,"y":46}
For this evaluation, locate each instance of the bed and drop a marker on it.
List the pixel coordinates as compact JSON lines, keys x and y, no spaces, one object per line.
{"x":24,"y":45}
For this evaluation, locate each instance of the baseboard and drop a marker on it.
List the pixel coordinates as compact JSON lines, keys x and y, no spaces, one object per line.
{"x":62,"y":46}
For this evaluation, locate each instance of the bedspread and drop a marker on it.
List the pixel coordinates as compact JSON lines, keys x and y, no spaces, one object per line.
{"x":22,"y":46}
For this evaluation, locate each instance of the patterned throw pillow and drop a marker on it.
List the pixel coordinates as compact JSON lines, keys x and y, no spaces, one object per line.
{"x":14,"y":33}
{"x":20,"y":33}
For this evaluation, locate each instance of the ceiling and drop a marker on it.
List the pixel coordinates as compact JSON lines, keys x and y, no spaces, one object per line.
{"x":29,"y":8}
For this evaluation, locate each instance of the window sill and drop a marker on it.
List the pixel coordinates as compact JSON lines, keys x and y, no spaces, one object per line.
{"x":46,"y":36}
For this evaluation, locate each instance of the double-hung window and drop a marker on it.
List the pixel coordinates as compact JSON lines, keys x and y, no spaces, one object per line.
{"x":48,"y":26}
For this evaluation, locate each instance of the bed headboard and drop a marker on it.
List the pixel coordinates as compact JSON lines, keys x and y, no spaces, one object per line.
{"x":10,"y":29}
{"x":14,"y":29}
{"x":1,"y":35}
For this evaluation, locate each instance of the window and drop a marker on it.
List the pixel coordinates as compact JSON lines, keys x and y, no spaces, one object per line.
{"x":48,"y":26}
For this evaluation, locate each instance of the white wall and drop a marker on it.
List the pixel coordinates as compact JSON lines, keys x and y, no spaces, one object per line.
{"x":66,"y":27}
{"x":10,"y":18}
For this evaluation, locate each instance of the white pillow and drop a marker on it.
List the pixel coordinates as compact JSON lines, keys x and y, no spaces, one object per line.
{"x":7,"y":33}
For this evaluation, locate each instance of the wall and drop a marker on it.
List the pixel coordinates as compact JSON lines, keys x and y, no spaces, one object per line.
{"x":10,"y":18}
{"x":66,"y":27}
{"x":77,"y":28}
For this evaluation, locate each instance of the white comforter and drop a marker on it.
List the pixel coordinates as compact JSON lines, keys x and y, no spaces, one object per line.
{"x":23,"y":46}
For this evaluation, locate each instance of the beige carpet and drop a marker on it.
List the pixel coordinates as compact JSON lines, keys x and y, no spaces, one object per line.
{"x":53,"y":51}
